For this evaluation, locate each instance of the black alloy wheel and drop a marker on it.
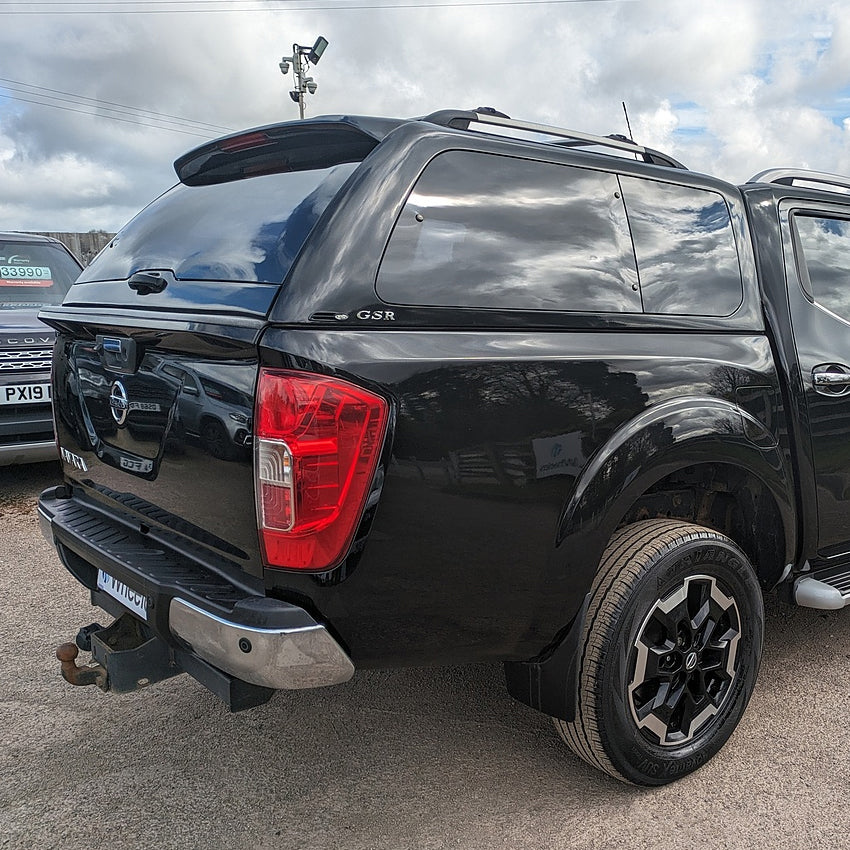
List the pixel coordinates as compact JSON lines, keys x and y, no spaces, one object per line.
{"x":670,"y":653}
{"x":686,"y":661}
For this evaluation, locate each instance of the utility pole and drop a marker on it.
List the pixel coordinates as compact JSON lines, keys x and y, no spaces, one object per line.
{"x":302,"y":58}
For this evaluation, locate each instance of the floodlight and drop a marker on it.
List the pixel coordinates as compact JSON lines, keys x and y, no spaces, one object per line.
{"x":296,"y":96}
{"x":317,"y":50}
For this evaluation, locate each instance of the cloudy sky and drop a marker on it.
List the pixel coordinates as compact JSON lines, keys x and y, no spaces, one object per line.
{"x":98,"y":98}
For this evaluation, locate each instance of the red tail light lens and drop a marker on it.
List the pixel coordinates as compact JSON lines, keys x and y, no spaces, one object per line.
{"x":244,"y":142}
{"x":317,"y":444}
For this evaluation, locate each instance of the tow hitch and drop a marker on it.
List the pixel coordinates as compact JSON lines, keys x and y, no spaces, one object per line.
{"x":91,"y":675}
{"x":127,"y":657}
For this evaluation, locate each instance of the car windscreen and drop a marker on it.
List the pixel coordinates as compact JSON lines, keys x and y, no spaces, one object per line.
{"x":244,"y":230}
{"x":33,"y":274}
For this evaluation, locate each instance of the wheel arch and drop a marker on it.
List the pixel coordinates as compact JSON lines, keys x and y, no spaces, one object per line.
{"x":741,"y":485}
{"x":733,"y":468}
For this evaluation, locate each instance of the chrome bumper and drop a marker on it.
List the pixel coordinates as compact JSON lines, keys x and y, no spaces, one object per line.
{"x":260,"y":641}
{"x":302,"y":657}
{"x":15,"y":453}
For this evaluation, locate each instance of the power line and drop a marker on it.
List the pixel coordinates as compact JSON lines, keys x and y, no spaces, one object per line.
{"x":109,"y":117}
{"x":132,"y":2}
{"x":82,"y":100}
{"x":175,"y":7}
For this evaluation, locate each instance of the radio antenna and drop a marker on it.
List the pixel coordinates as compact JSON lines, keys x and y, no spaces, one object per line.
{"x":628,"y":125}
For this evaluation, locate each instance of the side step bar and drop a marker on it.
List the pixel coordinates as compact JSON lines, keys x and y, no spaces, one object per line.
{"x":828,"y":593}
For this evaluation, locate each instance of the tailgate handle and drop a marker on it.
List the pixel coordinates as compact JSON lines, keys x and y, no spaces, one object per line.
{"x":147,"y":282}
{"x":119,"y":354}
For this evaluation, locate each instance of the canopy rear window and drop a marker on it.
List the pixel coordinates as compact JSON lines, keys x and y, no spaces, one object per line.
{"x":243,"y":230}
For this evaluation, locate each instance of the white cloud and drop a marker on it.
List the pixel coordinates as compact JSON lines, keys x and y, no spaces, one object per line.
{"x":727,"y":87}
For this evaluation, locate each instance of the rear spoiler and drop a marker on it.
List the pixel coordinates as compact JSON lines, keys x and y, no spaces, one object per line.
{"x":293,"y":146}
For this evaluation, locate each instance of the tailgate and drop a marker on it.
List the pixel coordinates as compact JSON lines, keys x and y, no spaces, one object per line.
{"x":153,"y":427}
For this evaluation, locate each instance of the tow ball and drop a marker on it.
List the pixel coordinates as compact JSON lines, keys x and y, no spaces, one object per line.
{"x":126,"y":656}
{"x":94,"y":674}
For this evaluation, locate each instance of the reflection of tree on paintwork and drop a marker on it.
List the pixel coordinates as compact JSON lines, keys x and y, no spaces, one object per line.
{"x":725,"y":380}
{"x":508,"y":402}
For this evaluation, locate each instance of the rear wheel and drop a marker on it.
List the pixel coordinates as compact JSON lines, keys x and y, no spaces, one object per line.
{"x":670,"y":652}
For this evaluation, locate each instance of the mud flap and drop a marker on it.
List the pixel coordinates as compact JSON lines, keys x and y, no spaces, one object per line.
{"x":549,"y":684}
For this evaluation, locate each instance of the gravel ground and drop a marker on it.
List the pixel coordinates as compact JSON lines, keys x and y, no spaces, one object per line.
{"x":396,"y":759}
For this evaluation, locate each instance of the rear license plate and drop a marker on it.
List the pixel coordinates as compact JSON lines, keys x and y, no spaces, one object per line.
{"x":128,"y":597}
{"x":24,"y":393}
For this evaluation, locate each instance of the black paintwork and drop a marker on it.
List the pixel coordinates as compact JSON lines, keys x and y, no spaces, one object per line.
{"x":471,"y":525}
{"x":519,"y":439}
{"x":336,"y":271}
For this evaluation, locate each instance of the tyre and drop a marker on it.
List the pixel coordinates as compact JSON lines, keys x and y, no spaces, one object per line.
{"x":670,"y":652}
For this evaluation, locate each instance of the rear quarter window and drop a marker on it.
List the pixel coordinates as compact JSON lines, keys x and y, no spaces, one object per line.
{"x":483,"y":230}
{"x":685,"y":246}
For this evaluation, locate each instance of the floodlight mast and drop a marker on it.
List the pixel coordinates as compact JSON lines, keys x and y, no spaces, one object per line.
{"x":301,"y":59}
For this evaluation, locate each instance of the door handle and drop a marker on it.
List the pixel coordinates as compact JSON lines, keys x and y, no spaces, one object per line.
{"x":831,"y":379}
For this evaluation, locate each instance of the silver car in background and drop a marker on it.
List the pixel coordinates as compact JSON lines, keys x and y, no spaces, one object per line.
{"x":35,"y":272}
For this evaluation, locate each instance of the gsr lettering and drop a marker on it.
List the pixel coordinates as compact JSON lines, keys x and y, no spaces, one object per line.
{"x":379,"y":315}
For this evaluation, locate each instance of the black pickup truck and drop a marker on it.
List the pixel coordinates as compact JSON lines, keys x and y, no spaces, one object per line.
{"x":361,"y":392}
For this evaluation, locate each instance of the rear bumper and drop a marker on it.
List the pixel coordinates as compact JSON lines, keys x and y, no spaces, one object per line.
{"x":34,"y":452}
{"x":293,"y":657}
{"x":201,"y":606}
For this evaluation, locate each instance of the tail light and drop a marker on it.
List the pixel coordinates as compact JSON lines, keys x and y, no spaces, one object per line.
{"x":317,"y":444}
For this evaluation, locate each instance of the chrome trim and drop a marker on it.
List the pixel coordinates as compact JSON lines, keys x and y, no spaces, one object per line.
{"x":304,"y":657}
{"x":26,"y":353}
{"x":811,"y":593}
{"x":12,"y":453}
{"x":119,"y":406}
{"x":831,"y":379}
{"x":45,"y":524}
{"x":26,"y":366}
{"x":25,"y":359}
{"x":560,"y":132}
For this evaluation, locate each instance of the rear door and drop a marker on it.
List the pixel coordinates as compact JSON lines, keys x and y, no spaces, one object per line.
{"x":818,"y":239}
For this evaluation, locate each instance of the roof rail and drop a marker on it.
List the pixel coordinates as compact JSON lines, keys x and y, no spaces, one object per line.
{"x":461,"y":119}
{"x":787,"y":176}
